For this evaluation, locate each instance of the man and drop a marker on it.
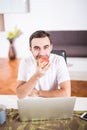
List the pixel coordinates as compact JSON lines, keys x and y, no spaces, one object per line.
{"x":49,"y":78}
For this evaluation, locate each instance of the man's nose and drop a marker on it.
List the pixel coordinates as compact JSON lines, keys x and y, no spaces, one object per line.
{"x":41,"y":52}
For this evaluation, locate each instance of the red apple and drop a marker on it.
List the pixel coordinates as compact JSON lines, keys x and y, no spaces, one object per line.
{"x":43,"y":60}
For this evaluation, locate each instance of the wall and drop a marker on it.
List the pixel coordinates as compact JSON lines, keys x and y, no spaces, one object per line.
{"x":47,"y":15}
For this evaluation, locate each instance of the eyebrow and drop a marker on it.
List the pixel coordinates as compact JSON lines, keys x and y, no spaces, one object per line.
{"x":38,"y":46}
{"x":46,"y":45}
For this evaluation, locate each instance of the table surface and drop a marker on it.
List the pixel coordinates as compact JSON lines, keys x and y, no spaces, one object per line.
{"x":13,"y":122}
{"x":10,"y":101}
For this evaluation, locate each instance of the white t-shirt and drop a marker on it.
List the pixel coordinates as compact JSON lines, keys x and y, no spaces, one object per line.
{"x":56,"y":74}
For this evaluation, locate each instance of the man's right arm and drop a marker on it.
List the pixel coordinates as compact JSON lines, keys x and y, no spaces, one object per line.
{"x":24,"y":88}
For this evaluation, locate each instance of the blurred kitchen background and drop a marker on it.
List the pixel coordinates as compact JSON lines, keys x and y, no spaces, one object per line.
{"x":42,"y":14}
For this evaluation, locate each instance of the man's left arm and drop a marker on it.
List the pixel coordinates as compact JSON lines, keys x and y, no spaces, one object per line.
{"x":64,"y":91}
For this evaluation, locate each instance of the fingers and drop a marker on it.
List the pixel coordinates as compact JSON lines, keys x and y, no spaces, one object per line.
{"x":42,"y":67}
{"x":34,"y":93}
{"x":45,"y":67}
{"x":42,"y":62}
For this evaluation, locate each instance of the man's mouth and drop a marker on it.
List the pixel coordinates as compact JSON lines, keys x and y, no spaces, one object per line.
{"x":40,"y":56}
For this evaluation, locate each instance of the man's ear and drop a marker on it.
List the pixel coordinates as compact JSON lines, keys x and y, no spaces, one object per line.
{"x":30,"y":49}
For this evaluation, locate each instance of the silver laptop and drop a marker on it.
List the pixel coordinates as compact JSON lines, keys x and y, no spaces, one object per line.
{"x":38,"y":108}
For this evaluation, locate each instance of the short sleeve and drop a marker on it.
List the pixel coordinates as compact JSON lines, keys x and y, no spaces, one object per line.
{"x":22,"y":75}
{"x":62,"y":72}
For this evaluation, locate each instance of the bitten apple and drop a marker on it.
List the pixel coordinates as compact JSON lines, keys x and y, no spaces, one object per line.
{"x":42,"y":62}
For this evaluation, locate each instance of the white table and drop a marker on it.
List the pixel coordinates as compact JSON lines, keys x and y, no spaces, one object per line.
{"x":10,"y":101}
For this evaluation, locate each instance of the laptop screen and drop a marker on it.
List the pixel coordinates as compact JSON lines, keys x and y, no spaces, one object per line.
{"x":38,"y":108}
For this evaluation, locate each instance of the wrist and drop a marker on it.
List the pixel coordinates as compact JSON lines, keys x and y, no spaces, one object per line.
{"x":36,"y":76}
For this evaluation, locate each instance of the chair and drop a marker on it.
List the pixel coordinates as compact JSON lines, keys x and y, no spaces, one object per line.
{"x":61,"y":53}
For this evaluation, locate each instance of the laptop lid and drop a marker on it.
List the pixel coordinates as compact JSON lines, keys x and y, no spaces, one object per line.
{"x":38,"y":108}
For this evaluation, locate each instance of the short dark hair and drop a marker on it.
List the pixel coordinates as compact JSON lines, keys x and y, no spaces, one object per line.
{"x":39,"y":34}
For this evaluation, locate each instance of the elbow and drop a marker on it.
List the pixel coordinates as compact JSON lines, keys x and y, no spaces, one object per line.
{"x":20,"y":97}
{"x":19,"y":94}
{"x":68,"y":93}
{"x":68,"y":89}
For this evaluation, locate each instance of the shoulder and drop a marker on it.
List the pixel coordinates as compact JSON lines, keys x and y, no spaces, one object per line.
{"x":26,"y":60}
{"x":56,"y":58}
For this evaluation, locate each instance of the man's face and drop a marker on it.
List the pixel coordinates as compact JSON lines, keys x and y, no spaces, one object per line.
{"x":40,"y":47}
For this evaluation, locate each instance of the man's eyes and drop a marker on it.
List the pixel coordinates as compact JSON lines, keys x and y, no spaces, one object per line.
{"x":45,"y":47}
{"x":36,"y":48}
